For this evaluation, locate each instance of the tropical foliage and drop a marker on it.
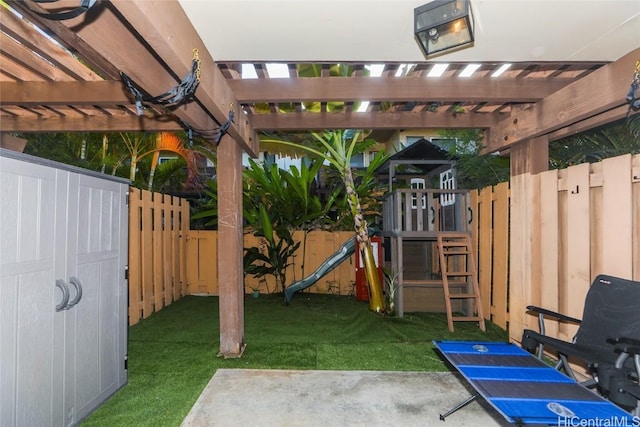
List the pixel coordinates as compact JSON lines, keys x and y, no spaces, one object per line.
{"x":337,"y":148}
{"x":130,"y":155}
{"x":475,"y":170}
{"x":612,"y":140}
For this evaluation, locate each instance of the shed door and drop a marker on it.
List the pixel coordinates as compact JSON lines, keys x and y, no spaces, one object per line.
{"x":32,"y":247}
{"x":96,"y":326}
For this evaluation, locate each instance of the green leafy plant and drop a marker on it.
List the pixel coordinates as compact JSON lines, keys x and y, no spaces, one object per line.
{"x":279,"y":247}
{"x":336,"y":148}
{"x":474,"y":169}
{"x":391,"y":288}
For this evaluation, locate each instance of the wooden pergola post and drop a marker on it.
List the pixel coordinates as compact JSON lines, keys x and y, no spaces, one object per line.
{"x":230,"y":245}
{"x":528,"y":158}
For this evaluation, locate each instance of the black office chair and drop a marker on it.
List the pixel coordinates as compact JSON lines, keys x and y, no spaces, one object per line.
{"x":611,"y":315}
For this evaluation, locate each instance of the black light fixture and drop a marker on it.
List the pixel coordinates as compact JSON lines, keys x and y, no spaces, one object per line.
{"x":443,"y":25}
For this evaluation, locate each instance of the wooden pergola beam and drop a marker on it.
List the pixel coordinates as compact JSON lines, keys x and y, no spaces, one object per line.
{"x":612,"y":115}
{"x":99,"y":93}
{"x":167,"y":29}
{"x":379,"y":89}
{"x":124,"y":50}
{"x":371,"y":120}
{"x":601,"y":91}
{"x":98,"y":123}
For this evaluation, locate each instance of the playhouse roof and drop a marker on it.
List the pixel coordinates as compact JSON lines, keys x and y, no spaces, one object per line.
{"x":421,"y":158}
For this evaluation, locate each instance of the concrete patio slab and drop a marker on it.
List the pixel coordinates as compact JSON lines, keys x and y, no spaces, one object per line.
{"x":236,"y":397}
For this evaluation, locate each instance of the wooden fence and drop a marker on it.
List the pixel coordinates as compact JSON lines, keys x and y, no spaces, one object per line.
{"x":489,"y":226}
{"x":568,"y":226}
{"x":540,"y":242}
{"x":158,"y":226}
{"x":202,"y":269}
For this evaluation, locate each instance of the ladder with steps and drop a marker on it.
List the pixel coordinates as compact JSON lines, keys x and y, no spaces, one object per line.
{"x":456,"y":261}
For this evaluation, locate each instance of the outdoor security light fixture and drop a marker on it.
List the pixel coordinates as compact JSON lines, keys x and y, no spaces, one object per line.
{"x":443,"y":25}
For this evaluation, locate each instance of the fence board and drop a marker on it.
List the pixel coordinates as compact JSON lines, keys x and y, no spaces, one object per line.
{"x":184,"y":232}
{"x":345,"y":273}
{"x":548,"y":290}
{"x":167,"y":279}
{"x":135,"y":270}
{"x":576,"y":284}
{"x":473,"y":201}
{"x":485,"y":238}
{"x":147,"y":255}
{"x":176,"y":283}
{"x":158,"y":256}
{"x":617,"y":245}
{"x":500,"y":255}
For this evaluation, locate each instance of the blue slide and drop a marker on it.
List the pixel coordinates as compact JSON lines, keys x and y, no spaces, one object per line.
{"x":345,"y":251}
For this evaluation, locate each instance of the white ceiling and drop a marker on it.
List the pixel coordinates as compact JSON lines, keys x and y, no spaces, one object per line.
{"x":382,"y":30}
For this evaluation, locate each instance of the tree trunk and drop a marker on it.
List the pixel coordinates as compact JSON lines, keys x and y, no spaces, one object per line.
{"x":376,"y":298}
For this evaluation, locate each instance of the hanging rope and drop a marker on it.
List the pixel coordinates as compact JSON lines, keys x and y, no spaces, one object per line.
{"x":85,"y":5}
{"x":633,"y":97}
{"x":174,"y":96}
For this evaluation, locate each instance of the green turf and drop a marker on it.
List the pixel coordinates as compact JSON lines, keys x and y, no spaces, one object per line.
{"x":172,"y":354}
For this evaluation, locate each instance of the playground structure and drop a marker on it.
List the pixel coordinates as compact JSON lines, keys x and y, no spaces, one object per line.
{"x":343,"y":253}
{"x":426,"y":238}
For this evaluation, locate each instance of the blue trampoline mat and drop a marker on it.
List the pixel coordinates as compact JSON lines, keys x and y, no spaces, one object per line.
{"x":524,"y":390}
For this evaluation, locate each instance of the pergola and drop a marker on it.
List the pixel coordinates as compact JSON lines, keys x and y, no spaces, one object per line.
{"x":69,"y":81}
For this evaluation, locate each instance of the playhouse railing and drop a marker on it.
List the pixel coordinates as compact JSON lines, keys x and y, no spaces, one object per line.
{"x":419,"y":212}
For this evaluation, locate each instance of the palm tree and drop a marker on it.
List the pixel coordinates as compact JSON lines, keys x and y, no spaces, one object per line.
{"x":338,"y":149}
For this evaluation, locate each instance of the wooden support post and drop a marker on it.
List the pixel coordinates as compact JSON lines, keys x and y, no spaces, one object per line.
{"x":528,"y":158}
{"x":531,"y":156}
{"x":231,"y":287}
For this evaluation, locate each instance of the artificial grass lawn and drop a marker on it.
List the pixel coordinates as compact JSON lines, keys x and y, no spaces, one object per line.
{"x":172,"y":354}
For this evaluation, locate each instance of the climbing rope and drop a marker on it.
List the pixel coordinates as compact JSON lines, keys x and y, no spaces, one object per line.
{"x":85,"y":5}
{"x":174,"y":96}
{"x":633,"y":97}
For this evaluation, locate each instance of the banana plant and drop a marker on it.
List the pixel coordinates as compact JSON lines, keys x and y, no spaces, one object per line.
{"x":336,"y":148}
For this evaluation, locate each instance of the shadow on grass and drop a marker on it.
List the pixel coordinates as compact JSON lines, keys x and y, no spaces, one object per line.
{"x":172,"y":354}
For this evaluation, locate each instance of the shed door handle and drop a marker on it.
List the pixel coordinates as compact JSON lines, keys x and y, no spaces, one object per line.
{"x":78,"y":285}
{"x":65,"y":295}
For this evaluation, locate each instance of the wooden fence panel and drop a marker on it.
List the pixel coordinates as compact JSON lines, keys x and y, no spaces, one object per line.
{"x":147,"y":255}
{"x":320,"y":245}
{"x":589,"y":224}
{"x":166,"y":227}
{"x":135,"y":255}
{"x":547,"y":295}
{"x":157,"y":252}
{"x":184,"y":217}
{"x":617,"y":242}
{"x":345,"y":272}
{"x":500,"y":255}
{"x":576,"y":283}
{"x":489,"y":226}
{"x":565,"y":227}
{"x":202,"y":262}
{"x":485,"y":236}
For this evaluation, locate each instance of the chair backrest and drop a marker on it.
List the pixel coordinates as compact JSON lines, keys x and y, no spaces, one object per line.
{"x":611,"y":309}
